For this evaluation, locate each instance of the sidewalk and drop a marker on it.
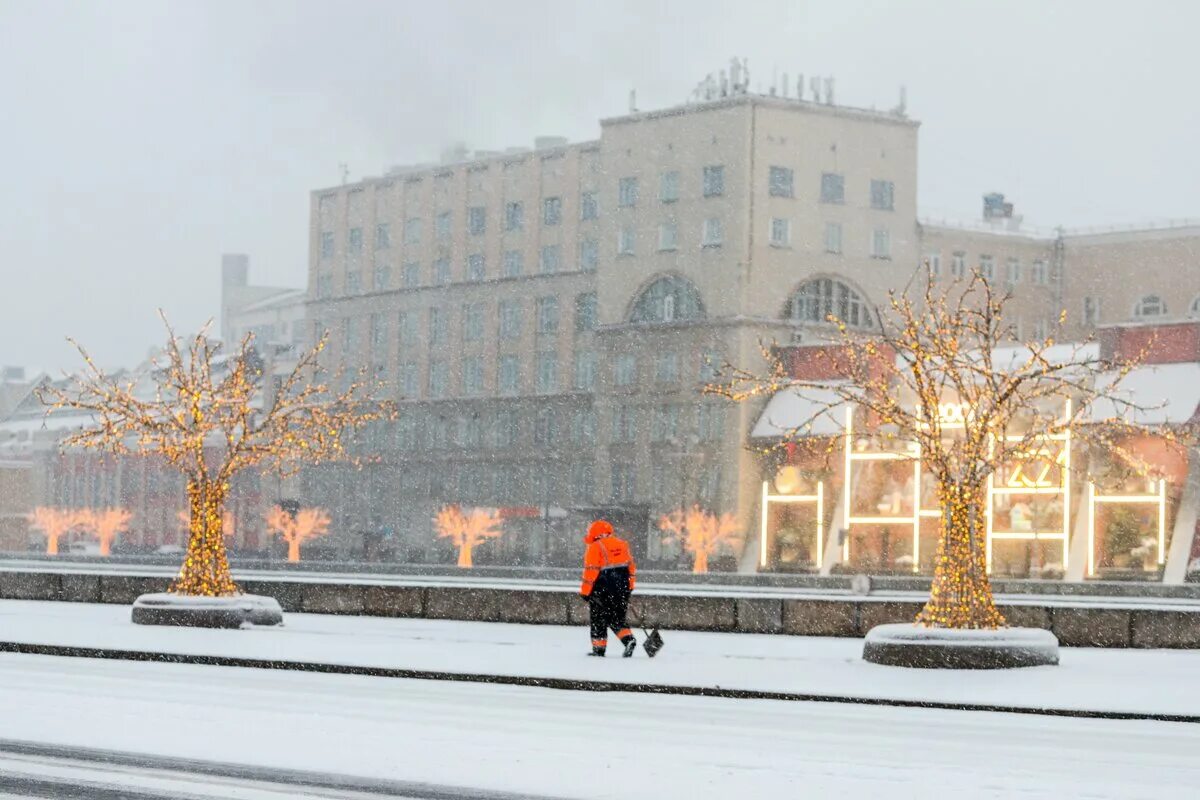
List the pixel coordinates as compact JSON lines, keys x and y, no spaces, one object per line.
{"x":1141,"y":681}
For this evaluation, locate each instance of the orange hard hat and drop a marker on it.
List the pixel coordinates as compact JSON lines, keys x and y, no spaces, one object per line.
{"x":600,"y":527}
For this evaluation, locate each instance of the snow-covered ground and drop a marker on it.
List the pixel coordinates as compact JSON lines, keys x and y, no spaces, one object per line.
{"x":1150,"y":681}
{"x":580,"y":745}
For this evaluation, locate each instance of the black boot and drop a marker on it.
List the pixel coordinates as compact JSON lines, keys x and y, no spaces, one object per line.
{"x":630,"y":647}
{"x":597,"y":651}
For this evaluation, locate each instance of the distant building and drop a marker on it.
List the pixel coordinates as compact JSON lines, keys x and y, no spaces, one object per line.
{"x":274,"y":314}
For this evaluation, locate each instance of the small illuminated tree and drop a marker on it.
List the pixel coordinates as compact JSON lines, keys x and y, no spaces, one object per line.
{"x":466,"y":530}
{"x":105,"y":524}
{"x":942,"y":348}
{"x":295,"y":529}
{"x":54,"y":523}
{"x":209,"y":415}
{"x":701,"y":533}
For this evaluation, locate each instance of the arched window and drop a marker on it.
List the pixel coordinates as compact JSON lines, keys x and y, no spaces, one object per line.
{"x":1150,"y":306}
{"x":668,"y":300}
{"x":820,"y":299}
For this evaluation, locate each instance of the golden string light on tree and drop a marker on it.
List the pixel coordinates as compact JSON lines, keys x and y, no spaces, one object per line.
{"x":297,"y":528}
{"x":105,"y":524}
{"x":211,"y":415}
{"x":54,"y":523}
{"x":948,"y":375}
{"x":701,"y":533}
{"x":466,"y":530}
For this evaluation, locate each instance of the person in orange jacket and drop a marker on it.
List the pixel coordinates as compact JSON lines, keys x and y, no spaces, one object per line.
{"x":609,"y":575}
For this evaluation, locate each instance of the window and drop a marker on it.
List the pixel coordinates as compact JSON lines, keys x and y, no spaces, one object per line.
{"x":1091,"y":311}
{"x":710,"y":484}
{"x":324,"y":286}
{"x":714,"y":181}
{"x":438,"y":433}
{"x":409,"y":377}
{"x":882,"y":195}
{"x":780,"y":232}
{"x":627,"y":192}
{"x":412,"y":231}
{"x":545,"y":427}
{"x":710,"y":366}
{"x":476,"y":267}
{"x":710,"y":421}
{"x":1150,"y":306}
{"x":383,"y":237}
{"x":473,"y":322}
{"x":833,"y":238}
{"x":406,"y":329}
{"x":437,"y":326}
{"x":547,"y":315}
{"x":666,"y":367}
{"x":714,"y":233}
{"x":622,"y":482}
{"x":624,"y":427}
{"x":472,"y":376}
{"x":441,"y":272}
{"x":510,"y":319}
{"x":625,"y":240}
{"x":585,"y":312}
{"x":379,"y":337}
{"x":665,"y":424}
{"x":547,"y":372}
{"x":514,"y":216}
{"x":510,"y":374}
{"x":667,"y":300}
{"x":987,"y":267}
{"x":443,"y":226}
{"x":668,"y":187}
{"x":625,"y":370}
{"x":551,"y":210}
{"x":833,"y":187}
{"x":881,"y":243}
{"x":589,"y":255}
{"x":354,"y":243}
{"x":476,"y":220}
{"x":668,"y":236}
{"x":583,"y":426}
{"x":1037,"y":272}
{"x":585,"y":371}
{"x":934,"y":262}
{"x":589,"y":207}
{"x":326,"y":245}
{"x":508,"y":426}
{"x":1014,"y":270}
{"x":412,"y":275}
{"x":382,"y":277}
{"x":958,"y":264}
{"x":1040,"y":329}
{"x":353,"y":282}
{"x":550,"y":261}
{"x":582,"y":482}
{"x":470,"y":434}
{"x":437,"y":379}
{"x":513,"y":263}
{"x":779,"y":183}
{"x":820,"y":299}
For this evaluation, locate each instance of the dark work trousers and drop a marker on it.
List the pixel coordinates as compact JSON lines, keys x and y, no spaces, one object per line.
{"x":608,"y":603}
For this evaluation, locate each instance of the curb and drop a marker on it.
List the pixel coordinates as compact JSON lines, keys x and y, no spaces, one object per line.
{"x":569,"y":684}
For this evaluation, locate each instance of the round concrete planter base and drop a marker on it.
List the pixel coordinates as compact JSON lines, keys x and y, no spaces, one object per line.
{"x":905,"y":645}
{"x":206,"y":612}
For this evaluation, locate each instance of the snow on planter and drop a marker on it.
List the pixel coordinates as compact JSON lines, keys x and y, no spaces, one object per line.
{"x":206,"y":612}
{"x":905,"y":645}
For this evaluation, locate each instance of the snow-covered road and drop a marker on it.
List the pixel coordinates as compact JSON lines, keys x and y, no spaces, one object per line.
{"x":571,"y":744}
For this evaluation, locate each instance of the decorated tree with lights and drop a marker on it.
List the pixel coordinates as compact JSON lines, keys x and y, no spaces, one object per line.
{"x":702,"y":533}
{"x":210,"y":415}
{"x":54,"y":523}
{"x":297,"y":528}
{"x":228,"y":522}
{"x":947,"y":375}
{"x":467,"y":529}
{"x":106,"y":524}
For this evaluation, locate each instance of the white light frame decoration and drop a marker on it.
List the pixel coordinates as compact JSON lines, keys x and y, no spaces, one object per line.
{"x":1159,"y":498}
{"x":1063,"y":488}
{"x":768,"y":499}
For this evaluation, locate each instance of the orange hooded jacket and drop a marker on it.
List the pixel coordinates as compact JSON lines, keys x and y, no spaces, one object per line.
{"x":604,"y":551}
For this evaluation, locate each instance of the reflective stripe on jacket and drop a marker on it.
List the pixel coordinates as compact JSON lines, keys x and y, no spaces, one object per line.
{"x":605,"y":553}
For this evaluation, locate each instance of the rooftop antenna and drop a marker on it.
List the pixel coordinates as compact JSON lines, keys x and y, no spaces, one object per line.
{"x":745,"y":74}
{"x":903,"y":107}
{"x":799,"y":85}
{"x":633,"y":101}
{"x":724,"y":84}
{"x":735,"y":74}
{"x":829,"y":91}
{"x":345,"y":170}
{"x":815,"y":85}
{"x":774,"y":80}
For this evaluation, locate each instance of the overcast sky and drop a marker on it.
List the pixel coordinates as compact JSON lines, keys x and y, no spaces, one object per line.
{"x":141,"y":140}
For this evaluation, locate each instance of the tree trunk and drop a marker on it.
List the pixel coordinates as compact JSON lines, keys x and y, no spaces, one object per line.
{"x":961,"y":595}
{"x":51,"y":545}
{"x":294,"y":550}
{"x":464,"y":555}
{"x":205,"y":570}
{"x":106,"y":544}
{"x":701,"y":563}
